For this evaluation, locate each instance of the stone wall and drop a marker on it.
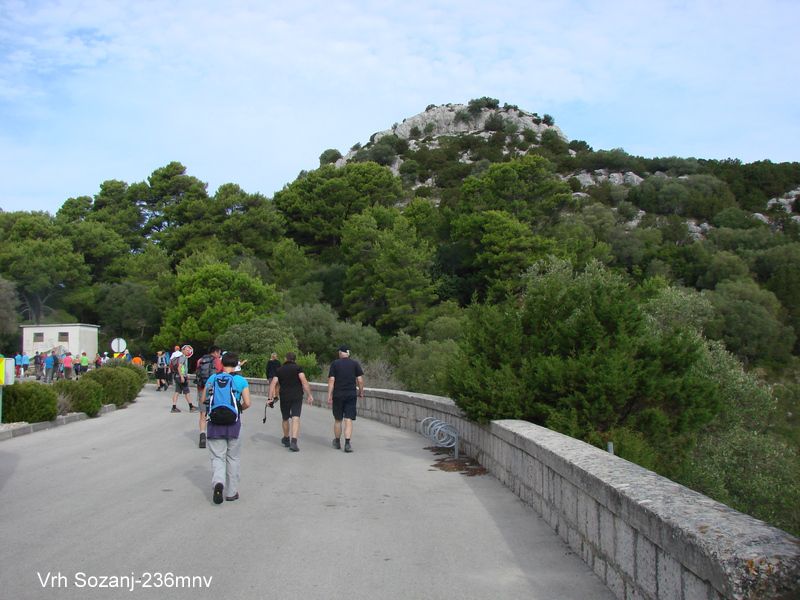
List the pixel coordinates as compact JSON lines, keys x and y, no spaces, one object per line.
{"x":645,"y":536}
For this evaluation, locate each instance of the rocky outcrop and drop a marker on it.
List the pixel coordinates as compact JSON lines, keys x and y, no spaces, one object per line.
{"x":587,"y":179}
{"x":424,"y":129}
{"x":442,"y":120}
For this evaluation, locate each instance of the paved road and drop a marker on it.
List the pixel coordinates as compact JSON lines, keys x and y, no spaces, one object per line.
{"x":130,"y":493}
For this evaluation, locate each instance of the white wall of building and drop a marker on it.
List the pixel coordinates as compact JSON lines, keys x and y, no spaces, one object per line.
{"x":70,"y":337}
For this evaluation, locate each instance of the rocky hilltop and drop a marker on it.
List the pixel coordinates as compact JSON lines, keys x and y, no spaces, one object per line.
{"x":439,"y":147}
{"x":455,"y":119}
{"x":424,"y":129}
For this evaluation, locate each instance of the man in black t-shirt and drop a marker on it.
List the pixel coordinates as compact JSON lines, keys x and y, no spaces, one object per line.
{"x":290,"y":382}
{"x":273,"y":364}
{"x":344,"y":377}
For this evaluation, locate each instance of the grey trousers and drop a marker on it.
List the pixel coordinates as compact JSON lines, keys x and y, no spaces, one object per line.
{"x":225,"y":458}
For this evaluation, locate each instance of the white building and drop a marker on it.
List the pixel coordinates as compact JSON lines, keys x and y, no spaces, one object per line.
{"x":69,"y":337}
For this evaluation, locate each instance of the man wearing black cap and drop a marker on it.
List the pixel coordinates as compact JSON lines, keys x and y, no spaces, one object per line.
{"x":344,"y":378}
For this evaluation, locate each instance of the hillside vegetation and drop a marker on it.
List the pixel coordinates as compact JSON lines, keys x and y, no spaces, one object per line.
{"x":473,"y":251}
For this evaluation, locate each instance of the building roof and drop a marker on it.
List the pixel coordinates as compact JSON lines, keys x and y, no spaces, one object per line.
{"x":61,"y":325}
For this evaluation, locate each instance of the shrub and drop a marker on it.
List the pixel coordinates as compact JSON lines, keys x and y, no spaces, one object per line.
{"x":415,"y":132}
{"x":429,"y":127}
{"x":476,"y":105}
{"x":494,"y":123}
{"x":331,"y":155}
{"x":83,"y":395}
{"x":261,"y":335}
{"x":140,"y":372}
{"x":462,"y":116}
{"x":256,"y":363}
{"x":548,"y":120}
{"x":530,"y":136}
{"x":119,"y":385}
{"x":29,"y":401}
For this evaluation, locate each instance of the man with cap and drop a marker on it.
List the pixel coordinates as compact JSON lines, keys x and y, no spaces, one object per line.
{"x":345,"y":384}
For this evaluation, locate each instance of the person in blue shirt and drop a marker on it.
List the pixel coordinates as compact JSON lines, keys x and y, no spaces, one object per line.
{"x":49,"y":366}
{"x":224,"y":442}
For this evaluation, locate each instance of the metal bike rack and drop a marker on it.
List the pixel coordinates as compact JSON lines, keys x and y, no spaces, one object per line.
{"x":440,"y":433}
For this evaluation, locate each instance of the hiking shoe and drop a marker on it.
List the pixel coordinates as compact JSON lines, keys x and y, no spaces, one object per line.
{"x":232,"y":498}
{"x":175,"y":409}
{"x":218,"y":493}
{"x":285,"y":441}
{"x":192,"y":408}
{"x":337,"y":444}
{"x":347,"y":447}
{"x":293,"y":446}
{"x":202,"y":443}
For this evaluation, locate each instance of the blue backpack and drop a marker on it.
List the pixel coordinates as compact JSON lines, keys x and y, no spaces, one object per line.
{"x":223,"y":409}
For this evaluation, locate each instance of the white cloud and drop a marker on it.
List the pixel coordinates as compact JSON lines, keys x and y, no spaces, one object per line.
{"x":252,"y":92}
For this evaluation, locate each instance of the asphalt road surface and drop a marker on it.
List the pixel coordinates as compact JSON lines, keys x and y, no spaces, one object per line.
{"x":120,"y":507}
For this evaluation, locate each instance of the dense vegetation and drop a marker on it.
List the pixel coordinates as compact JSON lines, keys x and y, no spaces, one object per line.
{"x":656,"y":312}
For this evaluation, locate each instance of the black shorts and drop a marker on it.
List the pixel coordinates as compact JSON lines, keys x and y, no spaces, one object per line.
{"x":291,"y":408}
{"x":344,"y":407}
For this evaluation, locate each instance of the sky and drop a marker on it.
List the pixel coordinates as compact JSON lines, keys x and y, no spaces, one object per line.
{"x":252,"y":92}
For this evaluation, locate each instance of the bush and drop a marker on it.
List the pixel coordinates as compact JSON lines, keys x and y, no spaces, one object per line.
{"x":494,"y":123}
{"x":120,"y":385}
{"x":29,"y":401}
{"x":476,"y":105}
{"x":83,"y":395}
{"x":140,"y":372}
{"x":256,"y":364}
{"x":462,"y":116}
{"x":134,"y":378}
{"x":331,"y":155}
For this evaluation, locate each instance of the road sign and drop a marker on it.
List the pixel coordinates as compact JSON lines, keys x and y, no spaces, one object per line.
{"x":118,"y":345}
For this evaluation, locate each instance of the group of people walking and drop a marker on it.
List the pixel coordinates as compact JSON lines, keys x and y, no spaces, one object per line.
{"x":223,"y":394}
{"x":53,"y":365}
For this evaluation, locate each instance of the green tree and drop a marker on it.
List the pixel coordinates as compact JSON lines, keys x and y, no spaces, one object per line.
{"x":579,"y":355}
{"x":8,"y":307}
{"x":41,"y":270}
{"x":750,"y":322}
{"x":526,"y":188}
{"x":724,"y":266}
{"x":128,"y":310}
{"x":388,"y":282}
{"x":319,"y":331}
{"x":261,"y":335}
{"x":778,"y":269}
{"x":210,"y":300}
{"x":329,"y":156}
{"x":118,"y":208}
{"x":99,"y":244}
{"x":496,"y":249}
{"x":168,"y":197}
{"x":738,"y":459}
{"x":317,"y":204}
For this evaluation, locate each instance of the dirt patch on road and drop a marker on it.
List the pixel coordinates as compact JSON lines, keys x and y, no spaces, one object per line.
{"x":464,"y":465}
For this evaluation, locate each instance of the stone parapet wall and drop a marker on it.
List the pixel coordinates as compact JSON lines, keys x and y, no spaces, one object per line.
{"x":645,"y":536}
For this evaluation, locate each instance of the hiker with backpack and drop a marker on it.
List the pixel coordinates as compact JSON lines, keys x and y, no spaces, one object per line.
{"x":207,"y":365}
{"x":179,"y":365}
{"x":227,"y":395}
